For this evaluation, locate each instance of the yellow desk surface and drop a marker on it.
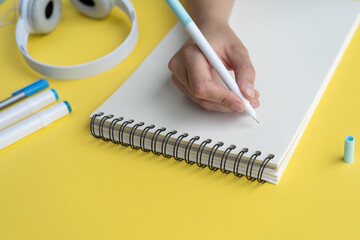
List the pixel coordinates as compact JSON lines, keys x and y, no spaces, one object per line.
{"x":61,"y":183}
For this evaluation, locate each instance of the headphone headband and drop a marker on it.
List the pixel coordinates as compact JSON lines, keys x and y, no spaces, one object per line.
{"x":86,"y":69}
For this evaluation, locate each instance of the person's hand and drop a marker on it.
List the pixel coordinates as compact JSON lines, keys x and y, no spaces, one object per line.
{"x":194,"y":76}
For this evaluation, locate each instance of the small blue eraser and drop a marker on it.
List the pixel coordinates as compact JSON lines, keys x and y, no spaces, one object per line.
{"x":33,"y":88}
{"x":68,"y":106}
{"x":55,"y":94}
{"x":180,"y":11}
{"x":349,"y":149}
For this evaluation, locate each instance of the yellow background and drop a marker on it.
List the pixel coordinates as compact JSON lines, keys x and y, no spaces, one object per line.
{"x":61,"y":183}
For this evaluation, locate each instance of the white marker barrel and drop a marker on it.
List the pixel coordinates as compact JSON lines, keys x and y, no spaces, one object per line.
{"x":33,"y":123}
{"x":27,"y":107}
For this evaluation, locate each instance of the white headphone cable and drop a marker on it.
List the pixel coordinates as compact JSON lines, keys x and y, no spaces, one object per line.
{"x":3,"y":21}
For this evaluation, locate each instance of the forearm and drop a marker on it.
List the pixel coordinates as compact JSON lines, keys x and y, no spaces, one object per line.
{"x":205,"y":12}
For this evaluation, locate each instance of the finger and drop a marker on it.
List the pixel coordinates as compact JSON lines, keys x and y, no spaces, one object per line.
{"x":212,"y":106}
{"x":244,"y":71}
{"x":224,"y":97}
{"x":177,"y":67}
{"x":180,"y":80}
{"x":255,"y":103}
{"x":205,"y":104}
{"x":183,"y":88}
{"x":204,"y":87}
{"x":180,"y":75}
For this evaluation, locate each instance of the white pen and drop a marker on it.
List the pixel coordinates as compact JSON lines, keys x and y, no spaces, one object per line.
{"x":27,"y":107}
{"x":209,"y":53}
{"x":33,"y":123}
{"x":25,"y":92}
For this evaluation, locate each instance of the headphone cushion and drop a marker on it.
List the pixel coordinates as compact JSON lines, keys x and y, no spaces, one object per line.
{"x":97,"y":9}
{"x":42,"y":15}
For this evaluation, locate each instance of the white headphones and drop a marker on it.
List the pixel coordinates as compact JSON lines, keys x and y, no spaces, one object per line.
{"x":42,"y":16}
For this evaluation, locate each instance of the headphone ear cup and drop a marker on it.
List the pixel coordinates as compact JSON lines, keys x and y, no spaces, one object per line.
{"x":42,"y":16}
{"x":94,"y":8}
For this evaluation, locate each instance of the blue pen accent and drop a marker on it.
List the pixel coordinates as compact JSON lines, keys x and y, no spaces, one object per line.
{"x":180,"y":11}
{"x":33,"y":88}
{"x":56,"y":94}
{"x":24,"y":92}
{"x":68,"y":106}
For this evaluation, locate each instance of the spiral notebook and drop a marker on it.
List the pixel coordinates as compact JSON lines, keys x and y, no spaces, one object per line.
{"x":295,"y":47}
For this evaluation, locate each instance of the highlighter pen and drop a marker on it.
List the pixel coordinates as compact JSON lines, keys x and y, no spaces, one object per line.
{"x":33,"y":123}
{"x":209,"y":52}
{"x":25,"y":92}
{"x":27,"y":107}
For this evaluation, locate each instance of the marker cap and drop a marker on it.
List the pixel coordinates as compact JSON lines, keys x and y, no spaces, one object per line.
{"x":33,"y":88}
{"x":349,"y":149}
{"x":68,"y":106}
{"x":55,"y":94}
{"x":180,"y":11}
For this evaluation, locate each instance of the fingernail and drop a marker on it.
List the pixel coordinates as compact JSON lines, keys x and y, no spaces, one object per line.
{"x":255,"y":103}
{"x":249,"y":90}
{"x":238,"y":107}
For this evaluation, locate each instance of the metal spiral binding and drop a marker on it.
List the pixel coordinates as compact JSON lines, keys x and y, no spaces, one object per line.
{"x":143,"y":137}
{"x":165,"y":142}
{"x":131,"y":135}
{"x":262,"y":168}
{"x":121,"y":132}
{"x":101,"y":127}
{"x":112,"y":129}
{"x":188,"y":148}
{"x":153,"y":143}
{"x":176,"y":146}
{"x":237,"y":163}
{"x":211,"y":156}
{"x":200,"y":151}
{"x":223,"y":160}
{"x":92,"y":124}
{"x":251,"y":162}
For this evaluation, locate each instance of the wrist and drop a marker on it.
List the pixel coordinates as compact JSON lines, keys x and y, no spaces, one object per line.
{"x":210,"y":23}
{"x":210,"y":12}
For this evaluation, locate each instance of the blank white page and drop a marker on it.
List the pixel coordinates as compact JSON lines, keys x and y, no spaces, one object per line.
{"x":294,"y":45}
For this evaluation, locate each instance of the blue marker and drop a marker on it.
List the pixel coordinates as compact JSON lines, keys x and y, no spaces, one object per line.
{"x":25,"y":92}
